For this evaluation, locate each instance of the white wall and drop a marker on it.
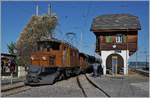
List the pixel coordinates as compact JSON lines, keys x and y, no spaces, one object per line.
{"x":123,"y":53}
{"x":21,"y":71}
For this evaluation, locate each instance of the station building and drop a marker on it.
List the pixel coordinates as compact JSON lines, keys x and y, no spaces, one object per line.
{"x":5,"y":68}
{"x":19,"y":71}
{"x":116,"y":40}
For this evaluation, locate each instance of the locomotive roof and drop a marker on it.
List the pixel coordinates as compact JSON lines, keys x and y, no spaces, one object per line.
{"x":116,"y":22}
{"x":83,"y":54}
{"x":58,"y":41}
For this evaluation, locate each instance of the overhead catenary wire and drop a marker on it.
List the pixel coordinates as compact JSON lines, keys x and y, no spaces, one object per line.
{"x":85,"y":18}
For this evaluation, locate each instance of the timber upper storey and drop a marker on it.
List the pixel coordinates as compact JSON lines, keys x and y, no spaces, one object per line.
{"x":116,"y":32}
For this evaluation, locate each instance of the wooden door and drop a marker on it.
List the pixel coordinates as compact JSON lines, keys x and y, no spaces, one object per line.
{"x":114,"y":64}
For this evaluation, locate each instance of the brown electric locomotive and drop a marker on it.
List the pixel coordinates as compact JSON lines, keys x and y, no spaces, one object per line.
{"x":53,"y":60}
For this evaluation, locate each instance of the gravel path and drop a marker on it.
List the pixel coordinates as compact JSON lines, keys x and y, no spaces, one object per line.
{"x":127,"y":86}
{"x":65,"y":88}
{"x":90,"y":90}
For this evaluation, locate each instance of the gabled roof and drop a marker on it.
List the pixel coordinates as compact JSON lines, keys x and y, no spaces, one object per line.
{"x":7,"y":54}
{"x":115,"y":22}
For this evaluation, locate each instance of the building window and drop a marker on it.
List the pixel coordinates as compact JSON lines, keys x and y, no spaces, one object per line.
{"x":119,"y":38}
{"x":97,"y":43}
{"x":108,"y":39}
{"x":124,"y":38}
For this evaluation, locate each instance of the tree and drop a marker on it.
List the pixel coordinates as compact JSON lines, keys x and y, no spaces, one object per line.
{"x":39,"y":27}
{"x":12,"y":48}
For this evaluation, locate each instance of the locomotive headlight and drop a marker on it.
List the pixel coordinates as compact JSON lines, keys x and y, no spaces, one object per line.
{"x":32,"y":58}
{"x":44,"y":58}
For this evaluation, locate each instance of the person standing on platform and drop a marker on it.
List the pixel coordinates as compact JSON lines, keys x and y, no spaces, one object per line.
{"x":95,"y":69}
{"x":100,"y":70}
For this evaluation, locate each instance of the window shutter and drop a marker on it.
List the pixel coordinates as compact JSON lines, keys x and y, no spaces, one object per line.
{"x":124,"y":38}
{"x":108,"y":39}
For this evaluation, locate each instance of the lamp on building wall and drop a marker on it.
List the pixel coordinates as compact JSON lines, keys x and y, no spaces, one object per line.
{"x":114,"y":46}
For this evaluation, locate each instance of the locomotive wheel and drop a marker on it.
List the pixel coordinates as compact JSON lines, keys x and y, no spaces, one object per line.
{"x":77,"y":71}
{"x":58,"y":78}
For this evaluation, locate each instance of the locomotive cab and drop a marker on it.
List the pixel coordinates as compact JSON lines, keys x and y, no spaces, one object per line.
{"x":46,"y":54}
{"x":43,"y":68}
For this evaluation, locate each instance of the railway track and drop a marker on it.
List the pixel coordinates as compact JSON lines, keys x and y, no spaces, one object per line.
{"x":88,"y":87}
{"x":14,"y":90}
{"x":81,"y":87}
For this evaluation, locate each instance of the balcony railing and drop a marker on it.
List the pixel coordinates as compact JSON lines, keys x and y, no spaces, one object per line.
{"x":117,"y":46}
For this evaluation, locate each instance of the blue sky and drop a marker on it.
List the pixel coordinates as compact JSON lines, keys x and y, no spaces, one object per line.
{"x":73,"y":17}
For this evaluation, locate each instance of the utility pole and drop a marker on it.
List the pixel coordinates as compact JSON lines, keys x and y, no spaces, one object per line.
{"x":136,"y":60}
{"x":81,"y":40}
{"x":146,"y":60}
{"x":49,"y":9}
{"x":71,"y":37}
{"x":126,"y":52}
{"x":49,"y":13}
{"x":37,"y":10}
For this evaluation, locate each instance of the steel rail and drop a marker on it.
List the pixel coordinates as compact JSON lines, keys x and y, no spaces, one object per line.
{"x":91,"y":82}
{"x":79,"y":84}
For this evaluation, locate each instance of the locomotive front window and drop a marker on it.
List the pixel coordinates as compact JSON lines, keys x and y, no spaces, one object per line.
{"x":52,"y":60}
{"x":48,"y":46}
{"x":55,"y":46}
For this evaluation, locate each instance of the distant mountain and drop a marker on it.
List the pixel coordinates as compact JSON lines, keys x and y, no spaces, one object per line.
{"x":138,"y":65}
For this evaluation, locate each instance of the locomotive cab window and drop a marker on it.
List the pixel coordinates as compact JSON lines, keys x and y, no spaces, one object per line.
{"x":47,"y":46}
{"x":55,"y":46}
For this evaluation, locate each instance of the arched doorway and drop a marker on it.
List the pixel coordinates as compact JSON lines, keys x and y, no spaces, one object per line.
{"x":114,"y":64}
